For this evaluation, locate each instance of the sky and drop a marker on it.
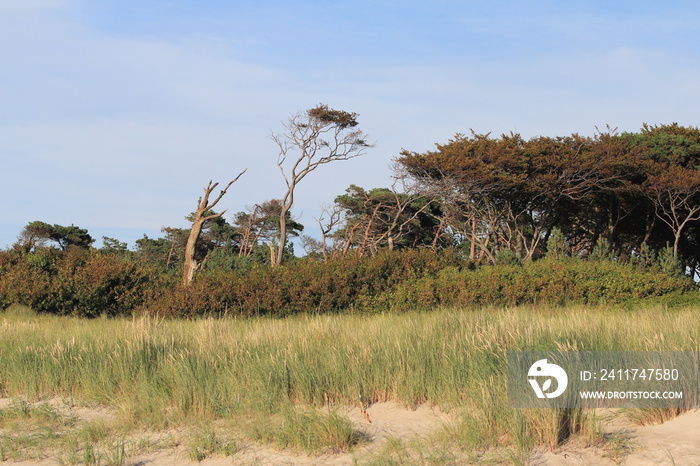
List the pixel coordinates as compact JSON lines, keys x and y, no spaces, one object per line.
{"x":115,"y":114}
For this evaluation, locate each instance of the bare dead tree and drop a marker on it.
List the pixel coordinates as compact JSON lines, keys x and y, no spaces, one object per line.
{"x":327,"y":221}
{"x":315,"y":137}
{"x":200,"y":218}
{"x":250,"y":232}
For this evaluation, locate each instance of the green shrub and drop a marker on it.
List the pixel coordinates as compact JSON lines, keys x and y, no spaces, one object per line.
{"x":308,"y":286}
{"x":602,"y":251}
{"x":89,"y":284}
{"x":507,"y":257}
{"x":77,"y":282}
{"x":668,"y":262}
{"x":541,"y":282}
{"x":557,"y":246}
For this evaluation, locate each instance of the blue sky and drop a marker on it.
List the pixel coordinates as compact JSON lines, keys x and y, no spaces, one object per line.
{"x":115,"y":114}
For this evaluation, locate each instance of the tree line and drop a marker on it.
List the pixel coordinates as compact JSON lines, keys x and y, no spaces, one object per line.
{"x":629,"y":195}
{"x":632,"y":192}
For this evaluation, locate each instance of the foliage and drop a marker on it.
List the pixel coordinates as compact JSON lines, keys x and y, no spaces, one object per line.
{"x":93,"y":283}
{"x":341,"y":283}
{"x":632,"y":189}
{"x":507,"y":257}
{"x":382,"y":218}
{"x":557,"y":247}
{"x":601,"y":250}
{"x":113,"y":245}
{"x":76,"y":282}
{"x":37,"y":234}
{"x":167,"y":252}
{"x":668,"y":262}
{"x":541,"y":282}
{"x":409,"y":280}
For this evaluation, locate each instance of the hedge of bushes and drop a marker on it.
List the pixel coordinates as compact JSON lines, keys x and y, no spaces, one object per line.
{"x":89,"y":284}
{"x":344,"y":283}
{"x":568,"y":281}
{"x":78,"y":282}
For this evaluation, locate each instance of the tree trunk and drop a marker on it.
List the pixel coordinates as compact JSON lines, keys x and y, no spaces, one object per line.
{"x":272,"y":253}
{"x":191,"y":264}
{"x":170,"y":253}
{"x":283,"y":236}
{"x":438,"y":232}
{"x":323,"y":245}
{"x":676,"y":242}
{"x":472,"y":249}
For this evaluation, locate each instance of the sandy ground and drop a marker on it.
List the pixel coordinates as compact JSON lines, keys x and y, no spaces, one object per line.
{"x":387,"y":420}
{"x":676,"y":442}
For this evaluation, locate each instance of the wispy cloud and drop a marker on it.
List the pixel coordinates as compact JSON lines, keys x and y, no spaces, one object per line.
{"x":115,"y":114}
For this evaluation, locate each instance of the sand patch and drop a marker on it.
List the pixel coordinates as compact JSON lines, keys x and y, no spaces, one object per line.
{"x":388,"y":420}
{"x":675,"y":442}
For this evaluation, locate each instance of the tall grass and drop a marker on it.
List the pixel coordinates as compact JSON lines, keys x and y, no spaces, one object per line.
{"x":161,"y":373}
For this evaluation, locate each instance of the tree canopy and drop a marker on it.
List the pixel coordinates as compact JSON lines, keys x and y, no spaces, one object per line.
{"x":631,"y":189}
{"x":38,"y":234}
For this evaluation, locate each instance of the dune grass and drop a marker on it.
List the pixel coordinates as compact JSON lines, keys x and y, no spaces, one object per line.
{"x":278,"y":373}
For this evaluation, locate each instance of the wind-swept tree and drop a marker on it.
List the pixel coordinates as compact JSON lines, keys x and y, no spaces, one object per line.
{"x":37,"y":234}
{"x":114,"y":246}
{"x":328,"y":220}
{"x":315,"y":137}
